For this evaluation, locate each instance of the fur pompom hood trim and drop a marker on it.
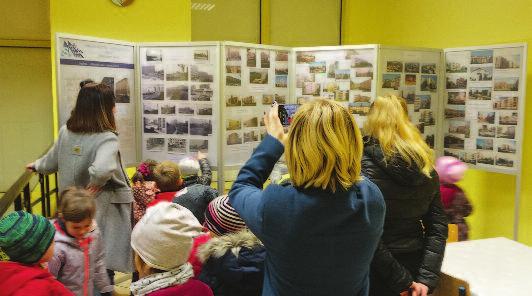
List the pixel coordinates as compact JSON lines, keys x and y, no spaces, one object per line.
{"x":217,"y":247}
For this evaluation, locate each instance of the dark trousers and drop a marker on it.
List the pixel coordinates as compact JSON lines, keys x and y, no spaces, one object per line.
{"x":411,"y":261}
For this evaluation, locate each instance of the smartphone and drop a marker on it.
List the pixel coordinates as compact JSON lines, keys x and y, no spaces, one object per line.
{"x":286,"y":113}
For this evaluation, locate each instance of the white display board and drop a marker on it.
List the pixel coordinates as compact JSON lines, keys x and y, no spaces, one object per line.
{"x":413,"y":74}
{"x":107,"y":61}
{"x":484,"y":106}
{"x":253,"y":77}
{"x":179,"y":89}
{"x":341,"y":73}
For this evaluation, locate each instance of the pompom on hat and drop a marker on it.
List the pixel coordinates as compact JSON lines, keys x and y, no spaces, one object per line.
{"x":450,"y":169}
{"x":24,"y":237}
{"x":189,"y":166}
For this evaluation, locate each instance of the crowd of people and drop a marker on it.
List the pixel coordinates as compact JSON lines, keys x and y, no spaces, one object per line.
{"x":361,"y":212}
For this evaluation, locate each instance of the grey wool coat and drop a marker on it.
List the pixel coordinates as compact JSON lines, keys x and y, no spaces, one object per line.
{"x":82,"y":159}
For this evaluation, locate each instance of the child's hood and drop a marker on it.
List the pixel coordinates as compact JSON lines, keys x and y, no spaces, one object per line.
{"x":218,"y":246}
{"x":14,"y":276}
{"x":61,"y":236}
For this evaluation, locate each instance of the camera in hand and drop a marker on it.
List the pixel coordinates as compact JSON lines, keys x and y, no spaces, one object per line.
{"x":286,"y":113}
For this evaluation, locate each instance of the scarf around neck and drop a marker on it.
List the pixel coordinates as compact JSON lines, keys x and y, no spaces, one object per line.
{"x":158,"y":281}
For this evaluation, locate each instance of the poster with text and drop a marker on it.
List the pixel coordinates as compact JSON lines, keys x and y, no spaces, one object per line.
{"x":103,"y":62}
{"x":483,"y":106}
{"x":413,"y":75}
{"x":179,"y":95}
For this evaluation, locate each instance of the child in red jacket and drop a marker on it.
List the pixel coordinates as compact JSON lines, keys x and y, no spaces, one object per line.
{"x":26,"y":244}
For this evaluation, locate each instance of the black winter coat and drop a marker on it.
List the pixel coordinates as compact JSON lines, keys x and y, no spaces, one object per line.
{"x":415,"y":221}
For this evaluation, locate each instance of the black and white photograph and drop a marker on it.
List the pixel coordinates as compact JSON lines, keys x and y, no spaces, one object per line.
{"x":364,"y":72}
{"x":176,"y":145}
{"x":234,"y":138}
{"x":258,"y":76}
{"x":511,"y":61}
{"x":201,"y":73}
{"x":486,"y":117}
{"x":233,"y":124}
{"x":155,"y":144}
{"x":507,"y":118}
{"x":469,"y":157}
{"x":153,"y":72}
{"x":505,"y":103}
{"x":167,"y":109}
{"x":429,"y":139}
{"x":204,"y":109}
{"x":153,"y":91}
{"x":249,"y":101}
{"x":251,"y":136}
{"x":484,"y":144}
{"x":179,"y":92}
{"x":481,"y":73}
{"x":456,"y":97}
{"x":281,"y":69}
{"x":504,"y":160}
{"x":485,"y":157}
{"x":456,"y":82}
{"x":429,"y":83}
{"x":122,"y":91}
{"x":177,"y":127}
{"x":267,"y":99}
{"x":200,"y":127}
{"x":506,"y":132}
{"x":150,"y":108}
{"x":507,"y":146}
{"x":506,"y":84}
{"x":109,"y":81}
{"x":177,"y":72}
{"x":453,"y":153}
{"x":394,"y":66}
{"x":232,"y":54}
{"x":154,"y":125}
{"x":410,"y":68}
{"x":483,"y":56}
{"x":185,"y":110}
{"x":280,"y":99}
{"x":428,"y":68}
{"x":265,"y":59}
{"x":201,"y":55}
{"x":454,"y":112}
{"x":305,"y":57}
{"x":201,"y":92}
{"x":233,"y":101}
{"x":250,"y":122}
{"x":487,"y":130}
{"x":453,"y":142}
{"x":154,"y":55}
{"x":233,"y":79}
{"x":251,"y":57}
{"x":480,"y":93}
{"x":281,"y":56}
{"x":196,"y":145}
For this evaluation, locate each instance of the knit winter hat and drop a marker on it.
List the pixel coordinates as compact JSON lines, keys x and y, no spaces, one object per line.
{"x":163,"y":237}
{"x":221,"y":217}
{"x":189,"y":166}
{"x":24,"y":237}
{"x":450,"y":170}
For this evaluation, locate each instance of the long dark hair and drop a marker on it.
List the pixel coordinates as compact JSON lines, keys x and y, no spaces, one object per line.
{"x":93,"y":112}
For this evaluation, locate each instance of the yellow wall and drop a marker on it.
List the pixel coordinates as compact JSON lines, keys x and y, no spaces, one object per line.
{"x":455,"y":23}
{"x":153,"y":20}
{"x":24,"y":19}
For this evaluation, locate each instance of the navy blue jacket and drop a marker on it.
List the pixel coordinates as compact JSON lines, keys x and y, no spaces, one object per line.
{"x":317,"y":242}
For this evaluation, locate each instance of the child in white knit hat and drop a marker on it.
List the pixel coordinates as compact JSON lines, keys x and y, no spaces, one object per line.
{"x":162,"y":241}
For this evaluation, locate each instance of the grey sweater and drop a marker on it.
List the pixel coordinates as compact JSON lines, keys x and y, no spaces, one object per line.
{"x":93,"y":159}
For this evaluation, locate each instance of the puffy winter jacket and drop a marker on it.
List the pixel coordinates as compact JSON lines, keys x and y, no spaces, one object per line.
{"x":414,"y":221}
{"x":17,"y":279}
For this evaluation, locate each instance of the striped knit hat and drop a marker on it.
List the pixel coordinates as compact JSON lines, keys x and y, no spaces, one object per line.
{"x":221,"y":218}
{"x":24,"y":237}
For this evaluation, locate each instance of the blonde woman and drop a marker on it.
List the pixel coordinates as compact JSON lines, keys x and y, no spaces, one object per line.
{"x":397,"y":159}
{"x":321,"y":232}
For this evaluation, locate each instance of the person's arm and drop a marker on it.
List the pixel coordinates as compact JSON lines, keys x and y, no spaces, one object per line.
{"x":461,"y":204}
{"x":56,"y":263}
{"x":435,"y":222}
{"x":48,"y":164}
{"x":395,"y":275}
{"x":206,"y":173}
{"x":105,"y":162}
{"x":101,"y":278}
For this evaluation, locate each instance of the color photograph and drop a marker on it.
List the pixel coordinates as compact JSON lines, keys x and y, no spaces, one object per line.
{"x":421,"y":102}
{"x":480,"y":93}
{"x":457,"y":127}
{"x":251,"y":57}
{"x":258,"y":76}
{"x":486,"y":117}
{"x":484,"y":56}
{"x":122,"y":91}
{"x":512,"y":61}
{"x":249,"y":101}
{"x":233,"y":101}
{"x":456,"y":98}
{"x":361,"y":84}
{"x":470,"y":157}
{"x":507,"y":132}
{"x":233,"y":124}
{"x":453,"y":142}
{"x":485,"y":157}
{"x":427,"y":117}
{"x":505,"y":161}
{"x":265,"y":59}
{"x":281,"y":81}
{"x":281,"y":56}
{"x":364,"y":72}
{"x":232,"y":54}
{"x":429,"y":83}
{"x":505,"y":103}
{"x":487,"y":130}
{"x":410,"y":79}
{"x":428,"y":68}
{"x":507,"y":118}
{"x":317,"y":67}
{"x":342,"y":74}
{"x":481,"y":74}
{"x":305,"y":57}
{"x":251,"y":136}
{"x":456,"y":82}
{"x":391,"y":81}
{"x":394,"y":66}
{"x":281,"y":69}
{"x":411,"y":67}
{"x":506,"y":84}
{"x":311,"y":88}
{"x":233,"y":80}
{"x":507,"y":146}
{"x":267,"y":99}
{"x":234,"y":138}
{"x":485,"y":144}
{"x":454,"y":112}
{"x":362,"y":62}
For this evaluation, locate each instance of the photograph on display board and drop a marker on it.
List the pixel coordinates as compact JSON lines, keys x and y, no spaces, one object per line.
{"x":251,"y":57}
{"x":361,"y":84}
{"x":200,"y":127}
{"x":483,"y":56}
{"x":185,"y":110}
{"x":394,"y":66}
{"x":201,"y":73}
{"x":168,"y":109}
{"x":201,"y":55}
{"x":341,"y":95}
{"x":485,"y":157}
{"x":251,"y":136}
{"x":177,"y":145}
{"x":265,"y":59}
{"x":153,"y":72}
{"x":484,"y":144}
{"x":486,"y":117}
{"x":155,"y":125}
{"x":421,"y":127}
{"x":232,"y":54}
{"x":421,"y":102}
{"x":428,"y":68}
{"x":427,"y":117}
{"x":233,"y":80}
{"x":454,"y":112}
{"x":506,"y":132}
{"x":453,"y":141}
{"x":311,"y":88}
{"x":362,"y":62}
{"x":457,"y":62}
{"x":204,"y":110}
{"x":505,"y":103}
{"x":364,"y":72}
{"x":469,"y":157}
{"x":176,"y":72}
{"x":429,"y":139}
{"x":154,"y":55}
{"x":281,"y":81}
{"x":409,"y":94}
{"x":155,"y":144}
{"x":281,"y":69}
{"x":150,"y":108}
{"x":179,"y":92}
{"x":177,"y":127}
{"x":267,"y":99}
{"x":153,"y":92}
{"x":122,"y":93}
{"x":504,"y":160}
{"x":456,"y":98}
{"x":342,"y":74}
{"x":281,"y":99}
{"x":234,"y":138}
{"x":359,"y":108}
{"x":196,"y":145}
{"x":506,"y":84}
{"x":487,"y":130}
{"x":510,"y":61}
{"x":250,"y":122}
{"x":410,"y":68}
{"x":249,"y":101}
{"x":507,"y":146}
{"x":481,"y":73}
{"x":410,"y":79}
{"x":229,"y":69}
{"x":233,"y":124}
{"x":281,"y":56}
{"x":507,"y":118}
{"x":232,"y":101}
{"x":391,"y":81}
{"x":258,"y":76}
{"x":458,"y":127}
{"x":305,"y":57}
{"x":456,"y":81}
{"x":331,"y":87}
{"x":429,"y":83}
{"x":304,"y":77}
{"x":480,"y":93}
{"x":317,"y":67}
{"x":453,"y":153}
{"x":201,"y":92}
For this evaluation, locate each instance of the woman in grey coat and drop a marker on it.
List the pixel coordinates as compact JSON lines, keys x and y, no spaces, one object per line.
{"x":86,"y":155}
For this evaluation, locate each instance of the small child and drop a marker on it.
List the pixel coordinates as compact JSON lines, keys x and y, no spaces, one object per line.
{"x":455,"y":203}
{"x":162,"y":241}
{"x":79,"y":259}
{"x":144,"y":188}
{"x":26,"y":243}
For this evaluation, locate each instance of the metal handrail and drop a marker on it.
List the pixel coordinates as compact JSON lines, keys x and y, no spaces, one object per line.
{"x":14,"y":191}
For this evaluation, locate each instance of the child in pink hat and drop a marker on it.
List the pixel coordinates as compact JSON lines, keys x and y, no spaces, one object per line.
{"x":455,"y":203}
